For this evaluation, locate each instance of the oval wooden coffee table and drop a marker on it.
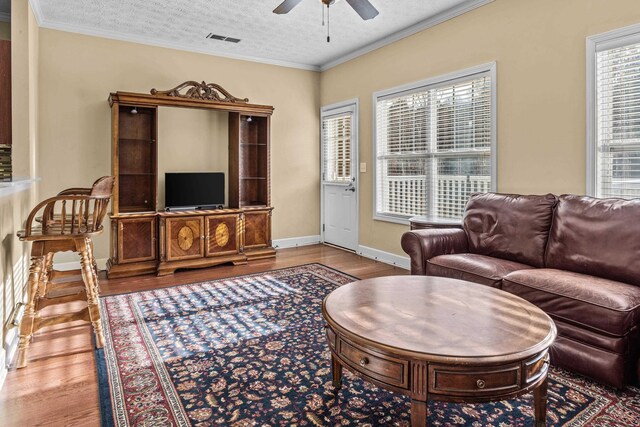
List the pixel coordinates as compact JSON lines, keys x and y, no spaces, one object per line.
{"x":440,"y":339}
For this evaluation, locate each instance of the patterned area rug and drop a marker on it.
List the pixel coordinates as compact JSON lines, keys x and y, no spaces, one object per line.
{"x":251,"y":351}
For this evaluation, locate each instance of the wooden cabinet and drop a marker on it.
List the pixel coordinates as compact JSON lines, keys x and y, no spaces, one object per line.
{"x":5,"y":111}
{"x":136,"y":158}
{"x":257,"y":232}
{"x":184,"y":238}
{"x":200,"y":239}
{"x":223,"y":234}
{"x":134,"y":245}
{"x":249,"y":176}
{"x":194,"y":238}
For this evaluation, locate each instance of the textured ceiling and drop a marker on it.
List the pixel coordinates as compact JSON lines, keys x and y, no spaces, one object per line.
{"x":297,"y":38}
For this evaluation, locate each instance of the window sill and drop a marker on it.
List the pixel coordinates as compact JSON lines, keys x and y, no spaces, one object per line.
{"x":16,"y":185}
{"x":393,"y":219}
{"x":428,"y":222}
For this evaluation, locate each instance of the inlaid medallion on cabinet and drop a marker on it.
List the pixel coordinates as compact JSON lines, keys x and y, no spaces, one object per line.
{"x":185,"y":238}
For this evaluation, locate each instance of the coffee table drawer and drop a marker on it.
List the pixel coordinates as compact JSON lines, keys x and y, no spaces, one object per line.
{"x":477,"y":382}
{"x":379,"y":367}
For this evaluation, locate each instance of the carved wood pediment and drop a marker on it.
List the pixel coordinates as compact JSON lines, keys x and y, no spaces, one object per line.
{"x":195,"y":90}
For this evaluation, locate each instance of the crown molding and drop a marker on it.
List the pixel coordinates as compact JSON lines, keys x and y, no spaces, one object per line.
{"x":80,"y":29}
{"x":37,"y":11}
{"x":177,"y":46}
{"x":416,"y":28}
{"x":5,"y":17}
{"x":409,"y":31}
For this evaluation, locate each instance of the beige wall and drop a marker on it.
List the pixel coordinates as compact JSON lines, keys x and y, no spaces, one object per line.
{"x":15,"y":205}
{"x":5,"y":31}
{"x":539,"y":47}
{"x":77,"y":73}
{"x":204,"y":148}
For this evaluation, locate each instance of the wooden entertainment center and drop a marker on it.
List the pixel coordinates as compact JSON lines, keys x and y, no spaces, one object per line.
{"x":145,"y":240}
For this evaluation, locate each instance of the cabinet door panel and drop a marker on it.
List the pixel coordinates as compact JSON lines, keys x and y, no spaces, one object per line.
{"x":257,"y":229}
{"x":222,"y":235}
{"x":185,"y":238}
{"x":137,"y":239}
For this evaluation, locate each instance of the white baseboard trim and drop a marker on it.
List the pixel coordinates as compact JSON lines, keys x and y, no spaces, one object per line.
{"x":294,"y":242}
{"x":75,"y":265}
{"x":3,"y":367}
{"x":386,"y":257}
{"x":7,"y":354}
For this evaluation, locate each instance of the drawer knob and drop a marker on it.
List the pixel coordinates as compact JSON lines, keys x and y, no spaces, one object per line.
{"x":480,"y":383}
{"x":364,"y":361}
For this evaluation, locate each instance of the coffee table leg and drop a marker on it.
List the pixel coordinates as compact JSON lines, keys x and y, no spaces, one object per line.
{"x":540,"y":404}
{"x":419,"y":411}
{"x":336,"y":371}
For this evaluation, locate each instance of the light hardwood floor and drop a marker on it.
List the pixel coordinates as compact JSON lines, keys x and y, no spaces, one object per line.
{"x":59,"y":386}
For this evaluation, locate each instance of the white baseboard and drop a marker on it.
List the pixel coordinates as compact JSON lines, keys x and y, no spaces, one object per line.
{"x":75,"y":265}
{"x":294,"y":242}
{"x":3,"y":367}
{"x":386,"y":257}
{"x":6,"y":356}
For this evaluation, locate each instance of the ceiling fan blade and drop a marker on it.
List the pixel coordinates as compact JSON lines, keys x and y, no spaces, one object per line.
{"x":364,"y":8}
{"x":286,"y":6}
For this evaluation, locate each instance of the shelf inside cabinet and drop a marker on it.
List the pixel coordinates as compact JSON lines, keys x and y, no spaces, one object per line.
{"x":135,"y":140}
{"x":136,"y":174}
{"x":253,"y":204}
{"x":136,"y":209}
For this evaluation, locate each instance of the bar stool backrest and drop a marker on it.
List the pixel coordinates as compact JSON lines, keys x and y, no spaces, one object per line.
{"x":73,"y":212}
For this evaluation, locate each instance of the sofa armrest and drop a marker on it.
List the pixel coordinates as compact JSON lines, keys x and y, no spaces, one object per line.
{"x":422,"y":245}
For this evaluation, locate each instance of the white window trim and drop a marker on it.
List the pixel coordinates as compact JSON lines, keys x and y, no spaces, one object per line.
{"x":444,"y":79}
{"x":604,"y":41}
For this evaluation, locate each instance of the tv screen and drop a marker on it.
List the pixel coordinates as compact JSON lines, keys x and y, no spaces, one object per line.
{"x":194,"y":189}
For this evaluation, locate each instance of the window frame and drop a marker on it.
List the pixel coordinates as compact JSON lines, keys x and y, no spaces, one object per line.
{"x":466,"y":74}
{"x":604,"y":41}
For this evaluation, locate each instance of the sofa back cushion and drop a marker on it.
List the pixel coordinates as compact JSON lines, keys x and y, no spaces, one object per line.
{"x":600,"y":237}
{"x":509,"y":226}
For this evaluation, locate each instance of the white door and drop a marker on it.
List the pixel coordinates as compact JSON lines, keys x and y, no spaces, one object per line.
{"x":339,"y":175}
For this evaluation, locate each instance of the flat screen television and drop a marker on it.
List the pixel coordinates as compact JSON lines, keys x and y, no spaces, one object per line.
{"x":194,"y":190}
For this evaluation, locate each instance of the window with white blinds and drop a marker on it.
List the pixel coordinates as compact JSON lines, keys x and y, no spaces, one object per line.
{"x":435,"y":146}
{"x":336,"y":147}
{"x":617,"y":119}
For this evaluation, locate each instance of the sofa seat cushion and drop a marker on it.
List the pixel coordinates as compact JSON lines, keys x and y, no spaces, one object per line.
{"x":594,"y":303}
{"x":476,"y":268}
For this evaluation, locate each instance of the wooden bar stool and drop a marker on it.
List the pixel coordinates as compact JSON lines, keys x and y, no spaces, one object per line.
{"x":62,"y":223}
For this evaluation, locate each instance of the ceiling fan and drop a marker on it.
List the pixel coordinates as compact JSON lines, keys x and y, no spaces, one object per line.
{"x":362,"y":7}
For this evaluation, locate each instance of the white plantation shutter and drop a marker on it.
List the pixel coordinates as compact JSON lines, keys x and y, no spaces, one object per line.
{"x":336,"y":146}
{"x":434,"y":147}
{"x":617,"y":157}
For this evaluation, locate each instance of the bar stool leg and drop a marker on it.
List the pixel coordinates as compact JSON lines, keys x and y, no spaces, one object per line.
{"x":45,"y":276}
{"x":26,"y":326}
{"x":91,"y":286}
{"x":94,"y":264}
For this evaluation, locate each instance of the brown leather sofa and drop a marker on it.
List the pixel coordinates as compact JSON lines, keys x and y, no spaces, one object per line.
{"x":577,"y":258}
